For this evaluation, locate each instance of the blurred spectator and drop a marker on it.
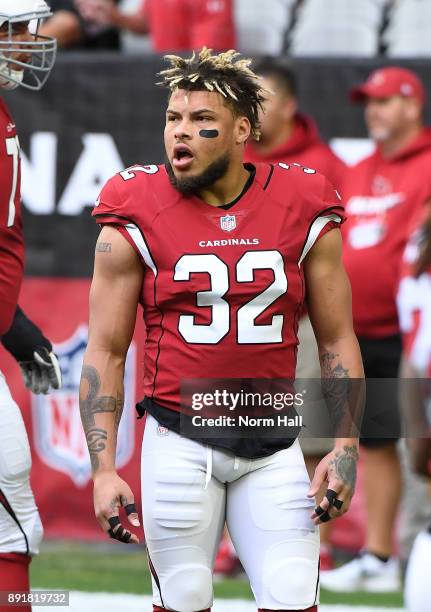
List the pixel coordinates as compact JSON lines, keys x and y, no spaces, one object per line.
{"x":414,"y":299}
{"x":290,"y":136}
{"x":382,"y":194}
{"x":287,"y":134}
{"x":174,"y":25}
{"x":73,"y":31}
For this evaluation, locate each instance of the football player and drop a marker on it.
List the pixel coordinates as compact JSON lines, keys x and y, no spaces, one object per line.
{"x":219,"y":253}
{"x":26,"y":59}
{"x":414,"y":299}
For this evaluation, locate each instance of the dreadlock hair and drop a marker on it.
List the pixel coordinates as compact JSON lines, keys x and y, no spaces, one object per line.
{"x":224,"y":73}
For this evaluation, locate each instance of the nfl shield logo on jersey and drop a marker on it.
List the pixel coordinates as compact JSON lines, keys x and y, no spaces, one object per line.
{"x":58,"y":433}
{"x":228,"y":223}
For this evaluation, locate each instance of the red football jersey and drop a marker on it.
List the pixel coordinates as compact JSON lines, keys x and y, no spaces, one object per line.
{"x":184,"y":25}
{"x":222,"y":289}
{"x":382,"y":196}
{"x":414,"y":305}
{"x":11,"y":235}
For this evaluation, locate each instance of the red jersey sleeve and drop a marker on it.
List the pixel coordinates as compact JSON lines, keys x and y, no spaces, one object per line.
{"x":325,"y":213}
{"x":110,"y":209}
{"x":125,"y":196}
{"x":109,"y":206}
{"x":122,"y":203}
{"x":11,"y":232}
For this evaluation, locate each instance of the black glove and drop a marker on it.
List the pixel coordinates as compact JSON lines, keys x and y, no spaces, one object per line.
{"x":39,"y":365}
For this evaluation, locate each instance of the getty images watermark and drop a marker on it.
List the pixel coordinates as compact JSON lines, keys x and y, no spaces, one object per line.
{"x":243,"y":402}
{"x":243,"y":408}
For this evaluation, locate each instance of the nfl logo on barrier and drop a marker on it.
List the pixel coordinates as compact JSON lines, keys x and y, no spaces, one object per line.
{"x":228,"y":223}
{"x":57,"y":431}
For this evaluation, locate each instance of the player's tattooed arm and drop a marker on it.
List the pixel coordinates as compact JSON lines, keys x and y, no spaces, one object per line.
{"x":336,"y":387}
{"x":330,"y":311}
{"x":103,"y":247}
{"x":92,"y":404}
{"x":331,"y":366}
{"x":111,"y":325}
{"x":114,"y":297}
{"x":342,"y":466}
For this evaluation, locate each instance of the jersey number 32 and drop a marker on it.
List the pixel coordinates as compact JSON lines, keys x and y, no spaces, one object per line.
{"x":247,"y":330}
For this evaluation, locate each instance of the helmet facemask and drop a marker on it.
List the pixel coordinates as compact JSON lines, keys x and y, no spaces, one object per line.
{"x":40,"y":53}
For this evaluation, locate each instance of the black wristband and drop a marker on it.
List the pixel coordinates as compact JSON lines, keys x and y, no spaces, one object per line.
{"x":24,"y":337}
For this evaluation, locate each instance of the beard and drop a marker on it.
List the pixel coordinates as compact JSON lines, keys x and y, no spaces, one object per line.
{"x":379,"y":133}
{"x":193,"y":185}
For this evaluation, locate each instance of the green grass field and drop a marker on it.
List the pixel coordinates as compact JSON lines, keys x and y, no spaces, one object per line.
{"x":118,"y":568}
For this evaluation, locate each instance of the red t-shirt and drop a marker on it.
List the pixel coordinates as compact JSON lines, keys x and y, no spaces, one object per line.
{"x":382,"y":196}
{"x":305,"y":147}
{"x":11,"y":234}
{"x":222,"y":289}
{"x":414,"y":303}
{"x":184,"y":25}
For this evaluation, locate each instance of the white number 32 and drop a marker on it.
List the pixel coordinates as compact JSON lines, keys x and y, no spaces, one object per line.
{"x":247,"y":330}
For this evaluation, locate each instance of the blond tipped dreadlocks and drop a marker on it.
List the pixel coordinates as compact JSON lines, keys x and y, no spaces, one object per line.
{"x":224,"y":73}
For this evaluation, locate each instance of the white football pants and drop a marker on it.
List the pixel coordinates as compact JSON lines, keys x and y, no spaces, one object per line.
{"x":189,"y":490}
{"x":20,"y":526}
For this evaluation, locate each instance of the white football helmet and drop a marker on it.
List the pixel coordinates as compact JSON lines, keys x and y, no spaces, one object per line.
{"x":40,"y":52}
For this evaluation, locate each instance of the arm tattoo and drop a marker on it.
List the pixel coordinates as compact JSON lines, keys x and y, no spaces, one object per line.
{"x":336,"y":386}
{"x":96,"y":439}
{"x":344,"y":465}
{"x":104,"y":247}
{"x":330,"y":371}
{"x":92,"y":405}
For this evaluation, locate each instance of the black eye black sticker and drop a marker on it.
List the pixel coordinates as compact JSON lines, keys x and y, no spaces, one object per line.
{"x":209,"y":133}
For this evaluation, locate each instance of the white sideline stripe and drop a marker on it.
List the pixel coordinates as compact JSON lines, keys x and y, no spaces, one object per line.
{"x":315,"y":230}
{"x":138,"y":239}
{"x":112,"y":602}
